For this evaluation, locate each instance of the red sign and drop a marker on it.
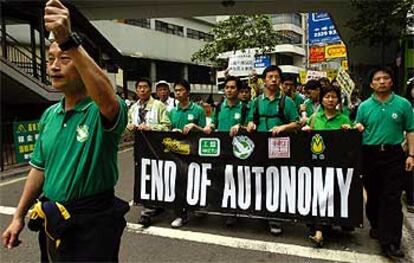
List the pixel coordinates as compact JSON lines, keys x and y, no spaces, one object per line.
{"x":316,"y":54}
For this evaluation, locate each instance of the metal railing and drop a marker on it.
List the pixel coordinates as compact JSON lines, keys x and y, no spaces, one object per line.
{"x":16,"y":53}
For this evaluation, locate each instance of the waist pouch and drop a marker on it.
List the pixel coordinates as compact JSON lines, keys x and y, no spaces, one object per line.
{"x":57,"y":218}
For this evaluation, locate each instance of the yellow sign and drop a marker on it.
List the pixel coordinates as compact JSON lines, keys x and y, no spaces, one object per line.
{"x":331,"y":74}
{"x":302,"y":76}
{"x":344,"y":64}
{"x":335,"y":51}
{"x":175,"y":146}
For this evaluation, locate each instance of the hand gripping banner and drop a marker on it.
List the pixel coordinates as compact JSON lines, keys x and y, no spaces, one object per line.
{"x":312,"y":177}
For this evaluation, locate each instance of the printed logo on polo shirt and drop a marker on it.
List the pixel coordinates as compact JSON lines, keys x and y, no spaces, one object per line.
{"x":243,"y":147}
{"x":237,"y":116}
{"x":82,"y":133}
{"x":190,"y":117}
{"x":317,"y":147}
{"x":394,"y":115}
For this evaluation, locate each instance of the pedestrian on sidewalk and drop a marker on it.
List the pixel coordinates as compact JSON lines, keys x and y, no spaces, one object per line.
{"x":383,"y":119}
{"x":74,"y":163}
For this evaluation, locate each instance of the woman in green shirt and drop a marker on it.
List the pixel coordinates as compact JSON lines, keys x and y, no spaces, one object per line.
{"x":327,"y":118}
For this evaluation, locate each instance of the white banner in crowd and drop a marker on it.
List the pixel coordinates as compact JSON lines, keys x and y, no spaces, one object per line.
{"x":313,"y":74}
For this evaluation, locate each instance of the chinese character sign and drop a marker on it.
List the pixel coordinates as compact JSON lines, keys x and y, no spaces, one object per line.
{"x":321,"y":29}
{"x":25,"y":135}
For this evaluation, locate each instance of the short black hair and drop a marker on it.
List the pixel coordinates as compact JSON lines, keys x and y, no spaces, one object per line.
{"x":143,"y":80}
{"x":239,"y":84}
{"x":183,"y":83}
{"x":272,"y":68}
{"x":288,"y":77}
{"x":313,"y":84}
{"x":378,"y":69}
{"x":330,"y":88}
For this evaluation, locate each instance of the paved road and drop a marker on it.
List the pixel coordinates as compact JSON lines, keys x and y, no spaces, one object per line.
{"x":203,"y":239}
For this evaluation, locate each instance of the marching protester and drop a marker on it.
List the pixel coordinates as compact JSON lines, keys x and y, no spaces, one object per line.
{"x":147,"y":114}
{"x":289,"y":89}
{"x":329,"y":118}
{"x":230,"y":116}
{"x":409,"y":176}
{"x":383,"y":118}
{"x":311,"y":104}
{"x":245,"y":95}
{"x":185,"y":117}
{"x":74,"y":163}
{"x":162,"y":92}
{"x":273,"y":112}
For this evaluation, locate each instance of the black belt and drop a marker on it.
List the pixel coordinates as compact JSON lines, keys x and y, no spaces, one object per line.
{"x":383,"y":147}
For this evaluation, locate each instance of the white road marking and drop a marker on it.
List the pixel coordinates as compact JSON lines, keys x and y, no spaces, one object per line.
{"x":244,"y":243}
{"x":13,"y":181}
{"x":7,"y":210}
{"x":257,"y":245}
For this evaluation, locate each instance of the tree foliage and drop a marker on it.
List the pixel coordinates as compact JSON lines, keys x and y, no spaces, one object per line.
{"x":238,"y":33}
{"x":378,"y":21}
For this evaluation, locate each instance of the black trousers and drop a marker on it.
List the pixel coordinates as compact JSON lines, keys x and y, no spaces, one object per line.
{"x":383,"y":180}
{"x":94,"y":234}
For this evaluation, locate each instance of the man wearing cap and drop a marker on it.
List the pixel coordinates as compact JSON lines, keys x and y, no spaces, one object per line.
{"x":383,"y":118}
{"x":74,"y":163}
{"x":162,"y":92}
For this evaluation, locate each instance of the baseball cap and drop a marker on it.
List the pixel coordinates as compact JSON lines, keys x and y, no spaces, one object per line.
{"x":162,"y":82}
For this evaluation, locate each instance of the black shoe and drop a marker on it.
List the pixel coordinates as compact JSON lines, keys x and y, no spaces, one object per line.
{"x":392,"y":251}
{"x":145,"y":221}
{"x":373,"y":233}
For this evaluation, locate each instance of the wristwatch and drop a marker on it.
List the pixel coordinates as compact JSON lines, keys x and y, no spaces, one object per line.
{"x":74,"y":40}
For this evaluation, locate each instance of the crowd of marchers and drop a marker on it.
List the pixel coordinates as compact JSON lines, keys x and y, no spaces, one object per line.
{"x":275,"y":103}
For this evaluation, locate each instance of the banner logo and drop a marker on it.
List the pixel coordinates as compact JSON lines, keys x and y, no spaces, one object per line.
{"x":279,"y":147}
{"x":209,"y":147}
{"x":317,"y":147}
{"x":175,"y":146}
{"x":82,"y":133}
{"x":243,"y":147}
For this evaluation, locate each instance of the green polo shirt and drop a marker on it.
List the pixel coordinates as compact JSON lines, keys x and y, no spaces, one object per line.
{"x":229,"y":116}
{"x":76,"y":152}
{"x":319,"y":121}
{"x":298,"y":99}
{"x":311,"y":107}
{"x":385,"y":122}
{"x":192,"y":114}
{"x":268,"y":111}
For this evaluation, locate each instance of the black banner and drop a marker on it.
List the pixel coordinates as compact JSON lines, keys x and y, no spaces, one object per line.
{"x":312,"y":177}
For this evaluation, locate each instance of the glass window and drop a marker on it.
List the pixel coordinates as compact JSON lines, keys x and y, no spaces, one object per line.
{"x":194,"y":34}
{"x":141,"y":22}
{"x":169,"y":28}
{"x":287,"y":18}
{"x":290,"y":37}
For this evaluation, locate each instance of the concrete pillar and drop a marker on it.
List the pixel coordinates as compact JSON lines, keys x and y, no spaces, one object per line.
{"x":153,"y":74}
{"x":185,"y":72}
